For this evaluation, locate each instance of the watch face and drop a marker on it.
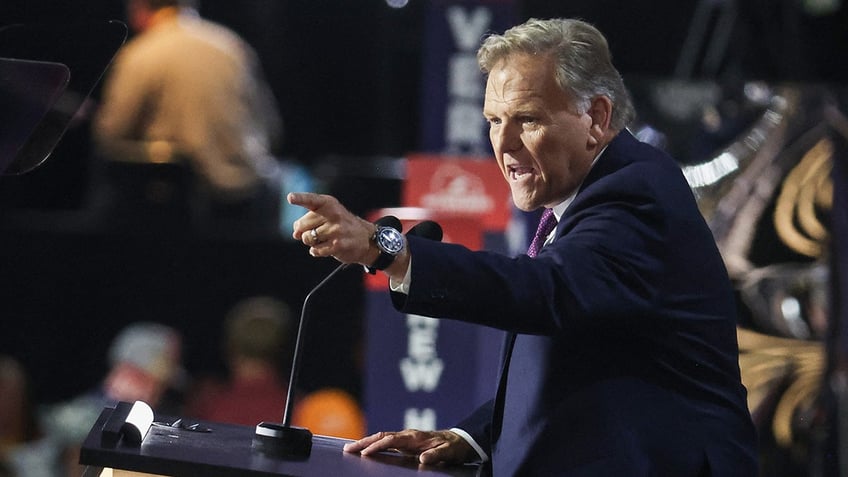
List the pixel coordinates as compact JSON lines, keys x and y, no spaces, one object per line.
{"x":390,"y":240}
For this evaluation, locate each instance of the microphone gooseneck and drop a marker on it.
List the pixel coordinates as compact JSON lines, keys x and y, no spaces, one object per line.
{"x":283,"y":439}
{"x":387,"y":221}
{"x":295,"y":369}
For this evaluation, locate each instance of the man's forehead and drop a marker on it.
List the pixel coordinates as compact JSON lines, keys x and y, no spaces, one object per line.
{"x":510,"y":94}
{"x":522,"y":81}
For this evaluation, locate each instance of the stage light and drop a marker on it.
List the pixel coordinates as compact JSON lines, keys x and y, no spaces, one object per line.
{"x":397,"y":3}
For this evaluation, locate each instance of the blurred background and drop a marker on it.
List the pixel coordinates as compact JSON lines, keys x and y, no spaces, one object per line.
{"x":354,"y":83}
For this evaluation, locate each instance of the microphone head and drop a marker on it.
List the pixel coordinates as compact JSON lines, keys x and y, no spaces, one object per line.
{"x":427,"y":229}
{"x":389,"y":221}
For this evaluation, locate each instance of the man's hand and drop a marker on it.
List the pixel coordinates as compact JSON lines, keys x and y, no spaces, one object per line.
{"x":431,"y":447}
{"x":329,"y":229}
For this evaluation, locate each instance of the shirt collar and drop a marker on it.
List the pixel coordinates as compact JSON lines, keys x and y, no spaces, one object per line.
{"x":560,"y":208}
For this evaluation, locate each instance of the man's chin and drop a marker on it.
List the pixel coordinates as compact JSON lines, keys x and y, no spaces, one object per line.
{"x":525,"y":198}
{"x":525,"y":204}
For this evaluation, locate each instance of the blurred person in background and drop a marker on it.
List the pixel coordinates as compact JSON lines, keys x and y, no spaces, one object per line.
{"x":186,"y":90}
{"x":256,"y":340}
{"x":16,"y":423}
{"x":145,"y":364}
{"x":24,"y":449}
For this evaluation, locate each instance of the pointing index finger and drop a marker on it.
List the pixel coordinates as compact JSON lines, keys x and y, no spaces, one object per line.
{"x":308,"y":200}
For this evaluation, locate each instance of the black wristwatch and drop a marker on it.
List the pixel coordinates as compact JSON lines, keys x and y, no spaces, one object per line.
{"x":391,"y":243}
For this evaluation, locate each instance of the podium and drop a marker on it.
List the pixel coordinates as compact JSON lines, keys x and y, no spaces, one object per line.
{"x":217,"y":449}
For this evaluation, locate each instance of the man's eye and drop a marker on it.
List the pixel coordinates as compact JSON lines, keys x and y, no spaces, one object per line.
{"x":493,"y":121}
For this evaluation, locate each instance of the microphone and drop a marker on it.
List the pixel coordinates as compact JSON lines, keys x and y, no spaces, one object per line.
{"x":389,"y":221}
{"x":427,"y":229}
{"x":283,"y":439}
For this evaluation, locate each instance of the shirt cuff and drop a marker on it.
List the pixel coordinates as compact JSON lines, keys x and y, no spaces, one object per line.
{"x":470,"y":440}
{"x":403,"y":286}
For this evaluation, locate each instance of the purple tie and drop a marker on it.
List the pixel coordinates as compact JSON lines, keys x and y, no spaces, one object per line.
{"x":547,"y":223}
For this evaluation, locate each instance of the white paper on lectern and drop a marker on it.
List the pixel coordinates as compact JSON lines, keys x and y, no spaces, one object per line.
{"x":138,"y":421}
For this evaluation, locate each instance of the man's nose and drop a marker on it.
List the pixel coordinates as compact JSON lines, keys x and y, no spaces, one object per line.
{"x":507,"y":138}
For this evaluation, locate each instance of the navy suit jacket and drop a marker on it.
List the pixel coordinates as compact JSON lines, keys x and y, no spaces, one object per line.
{"x":624,"y":360}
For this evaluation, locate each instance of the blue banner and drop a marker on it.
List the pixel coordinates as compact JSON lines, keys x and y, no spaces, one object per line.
{"x":425,"y":373}
{"x":452,"y":84}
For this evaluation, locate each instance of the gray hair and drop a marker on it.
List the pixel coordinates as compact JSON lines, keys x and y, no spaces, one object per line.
{"x":584,"y":63}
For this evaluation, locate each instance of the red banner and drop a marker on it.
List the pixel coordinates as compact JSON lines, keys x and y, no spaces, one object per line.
{"x":459,"y":229}
{"x":458,"y":185}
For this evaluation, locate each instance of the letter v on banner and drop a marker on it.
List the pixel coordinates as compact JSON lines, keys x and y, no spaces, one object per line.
{"x":452,"y":92}
{"x":468,"y":25}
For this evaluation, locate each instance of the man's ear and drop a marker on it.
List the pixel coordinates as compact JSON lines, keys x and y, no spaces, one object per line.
{"x":600,"y":110}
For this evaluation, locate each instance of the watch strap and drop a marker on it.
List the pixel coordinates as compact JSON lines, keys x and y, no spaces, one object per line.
{"x":382,"y":262}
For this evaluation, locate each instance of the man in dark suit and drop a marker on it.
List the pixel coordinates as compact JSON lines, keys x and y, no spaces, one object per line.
{"x":622,"y":353}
